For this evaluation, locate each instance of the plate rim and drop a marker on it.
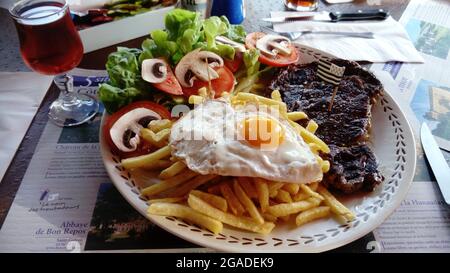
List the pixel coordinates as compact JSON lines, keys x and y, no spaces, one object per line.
{"x":222,"y":246}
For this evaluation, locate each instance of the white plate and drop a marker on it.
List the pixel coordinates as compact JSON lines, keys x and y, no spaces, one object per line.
{"x":393,"y":143}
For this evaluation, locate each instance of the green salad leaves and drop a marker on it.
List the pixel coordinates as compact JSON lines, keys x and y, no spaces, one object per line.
{"x":185,"y":31}
{"x":125,"y":83}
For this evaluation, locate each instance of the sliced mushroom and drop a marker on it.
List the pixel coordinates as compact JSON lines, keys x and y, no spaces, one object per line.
{"x":154,"y":70}
{"x":237,"y":46}
{"x":273,"y":45}
{"x":125,"y":131}
{"x":197,"y":65}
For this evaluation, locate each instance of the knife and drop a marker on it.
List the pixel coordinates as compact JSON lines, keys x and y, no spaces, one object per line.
{"x":437,"y":161}
{"x":336,"y":16}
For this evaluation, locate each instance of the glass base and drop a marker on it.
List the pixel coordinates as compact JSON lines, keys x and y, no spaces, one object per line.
{"x":307,"y":5}
{"x":78,"y":110}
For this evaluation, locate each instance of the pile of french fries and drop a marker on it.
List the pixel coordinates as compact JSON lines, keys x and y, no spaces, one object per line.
{"x":252,"y":204}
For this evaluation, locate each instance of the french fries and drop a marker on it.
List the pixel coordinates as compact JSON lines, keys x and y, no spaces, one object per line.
{"x":187,"y":213}
{"x":313,"y":186}
{"x":252,"y":204}
{"x":156,"y":139}
{"x":269,"y":217}
{"x":312,"y":126}
{"x":195,"y":99}
{"x":310,"y":137}
{"x":314,"y":148}
{"x":248,"y":97}
{"x":274,"y":187}
{"x":312,"y":214}
{"x":213,"y":200}
{"x":310,"y":192}
{"x":247,"y":202}
{"x":273,"y":194}
{"x":292,"y":188}
{"x":242,"y":202}
{"x":229,"y":219}
{"x":191,"y":185}
{"x":146,"y":160}
{"x":169,"y":183}
{"x":203,"y":92}
{"x":263,"y":194}
{"x":158,"y":165}
{"x":234,"y":204}
{"x":291,"y":208}
{"x":283,"y":196}
{"x":173,"y":170}
{"x":275,"y":95}
{"x":247,"y":184}
{"x":335,"y":206}
{"x":325,"y":166}
{"x":295,"y":116}
{"x":300,"y":196}
{"x":160,"y":124}
{"x":166,"y":200}
{"x":214,"y":189}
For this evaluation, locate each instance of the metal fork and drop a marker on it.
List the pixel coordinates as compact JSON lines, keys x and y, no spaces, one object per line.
{"x":295,"y":35}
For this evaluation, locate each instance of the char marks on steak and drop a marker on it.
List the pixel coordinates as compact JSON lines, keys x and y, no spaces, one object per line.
{"x":353,"y":168}
{"x":346,"y":128}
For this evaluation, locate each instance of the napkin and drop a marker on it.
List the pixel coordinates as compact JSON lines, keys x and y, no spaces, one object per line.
{"x":391,"y":42}
{"x":20,"y":97}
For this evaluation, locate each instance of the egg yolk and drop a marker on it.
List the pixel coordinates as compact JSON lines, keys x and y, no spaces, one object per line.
{"x":259,"y":131}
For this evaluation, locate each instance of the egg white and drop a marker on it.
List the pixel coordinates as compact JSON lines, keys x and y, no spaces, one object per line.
{"x":209,"y":140}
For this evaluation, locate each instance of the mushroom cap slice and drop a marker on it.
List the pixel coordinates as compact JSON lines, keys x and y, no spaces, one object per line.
{"x":154,"y":70}
{"x":197,"y":65}
{"x":237,"y":46}
{"x":125,"y":131}
{"x":272,"y":45}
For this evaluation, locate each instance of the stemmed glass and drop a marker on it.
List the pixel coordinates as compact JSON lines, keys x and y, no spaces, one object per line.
{"x":50,"y":45}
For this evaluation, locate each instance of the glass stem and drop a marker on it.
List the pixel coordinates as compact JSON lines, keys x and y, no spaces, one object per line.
{"x":65,"y":84}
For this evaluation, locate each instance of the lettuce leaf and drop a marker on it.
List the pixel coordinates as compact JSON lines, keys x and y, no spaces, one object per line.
{"x":148,"y":46}
{"x":234,"y":32}
{"x":186,"y":31}
{"x":252,"y":72}
{"x":114,"y":98}
{"x":125,"y":83}
{"x":213,"y":27}
{"x":123,"y":67}
{"x":164,"y":47}
{"x":179,"y":20}
{"x":183,"y":28}
{"x":251,"y":62}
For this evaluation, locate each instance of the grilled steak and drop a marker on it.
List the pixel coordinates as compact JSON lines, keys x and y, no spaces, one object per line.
{"x":353,"y":168}
{"x":346,"y":128}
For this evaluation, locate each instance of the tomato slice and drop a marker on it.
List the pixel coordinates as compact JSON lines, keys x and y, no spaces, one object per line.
{"x":143,"y":147}
{"x":277,"y":61}
{"x":225,"y":83}
{"x":233,"y":65}
{"x":171,"y":84}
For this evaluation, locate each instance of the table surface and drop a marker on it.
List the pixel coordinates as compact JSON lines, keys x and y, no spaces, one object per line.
{"x":10,"y":61}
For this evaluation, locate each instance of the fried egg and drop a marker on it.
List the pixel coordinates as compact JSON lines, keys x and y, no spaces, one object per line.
{"x":251,"y":140}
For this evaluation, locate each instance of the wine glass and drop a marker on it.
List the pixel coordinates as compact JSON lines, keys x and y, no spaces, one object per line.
{"x":301,"y":5}
{"x":50,"y":45}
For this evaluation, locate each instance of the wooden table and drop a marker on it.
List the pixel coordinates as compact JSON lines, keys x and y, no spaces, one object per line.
{"x":96,"y":60}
